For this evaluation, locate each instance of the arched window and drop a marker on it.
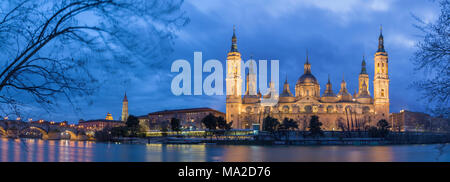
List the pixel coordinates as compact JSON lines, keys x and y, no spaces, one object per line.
{"x":248,"y":109}
{"x":366,"y":110}
{"x":266,"y":109}
{"x":330,"y":109}
{"x":286,"y":109}
{"x":308,"y":109}
{"x":382,"y":92}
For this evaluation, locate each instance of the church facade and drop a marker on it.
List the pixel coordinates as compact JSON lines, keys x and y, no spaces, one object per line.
{"x":337,"y":111}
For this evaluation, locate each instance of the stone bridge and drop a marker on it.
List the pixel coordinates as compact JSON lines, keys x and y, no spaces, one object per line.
{"x":13,"y":129}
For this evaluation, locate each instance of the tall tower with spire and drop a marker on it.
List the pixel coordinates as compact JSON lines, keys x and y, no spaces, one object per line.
{"x":125,"y":108}
{"x":381,"y":80}
{"x":363,"y":78}
{"x":233,"y":83}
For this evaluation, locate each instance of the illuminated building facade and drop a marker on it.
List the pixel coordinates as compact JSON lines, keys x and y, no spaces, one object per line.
{"x":100,"y":124}
{"x":418,"y":122}
{"x":189,"y":118}
{"x":341,"y":111}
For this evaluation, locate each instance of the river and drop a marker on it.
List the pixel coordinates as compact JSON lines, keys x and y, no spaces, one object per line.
{"x":36,"y":150}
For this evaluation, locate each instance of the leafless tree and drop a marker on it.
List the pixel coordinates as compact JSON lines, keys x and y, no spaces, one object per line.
{"x":64,"y":48}
{"x":341,"y":124}
{"x":433,"y":57}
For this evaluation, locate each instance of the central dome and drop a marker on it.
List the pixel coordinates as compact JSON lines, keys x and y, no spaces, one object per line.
{"x":307,"y":78}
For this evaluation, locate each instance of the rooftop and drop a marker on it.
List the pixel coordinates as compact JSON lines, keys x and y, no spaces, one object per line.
{"x":100,"y":120}
{"x":202,"y":109}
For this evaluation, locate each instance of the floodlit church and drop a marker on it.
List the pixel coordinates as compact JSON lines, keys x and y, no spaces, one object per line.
{"x":337,"y":111}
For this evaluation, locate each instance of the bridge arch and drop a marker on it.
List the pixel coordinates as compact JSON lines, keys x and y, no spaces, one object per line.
{"x":44,"y":133}
{"x":73,"y":135}
{"x":2,"y":131}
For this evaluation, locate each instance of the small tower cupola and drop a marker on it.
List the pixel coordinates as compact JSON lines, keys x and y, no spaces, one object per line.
{"x":343,"y":94}
{"x":343,"y":86}
{"x":286,"y":90}
{"x":307,"y":66}
{"x":329,"y":89}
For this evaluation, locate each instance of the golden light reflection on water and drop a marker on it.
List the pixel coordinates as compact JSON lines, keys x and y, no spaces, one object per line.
{"x":30,"y":151}
{"x":51,"y":148}
{"x":382,"y":154}
{"x":40,"y":155}
{"x":17,"y":149}
{"x":36,"y":150}
{"x":85,"y":151}
{"x":4,"y":149}
{"x":181,"y":153}
{"x":237,"y":154}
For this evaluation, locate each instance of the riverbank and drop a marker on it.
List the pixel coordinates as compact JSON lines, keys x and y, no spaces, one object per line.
{"x":329,"y":138}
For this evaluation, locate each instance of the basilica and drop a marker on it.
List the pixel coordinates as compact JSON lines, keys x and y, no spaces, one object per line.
{"x":337,"y":111}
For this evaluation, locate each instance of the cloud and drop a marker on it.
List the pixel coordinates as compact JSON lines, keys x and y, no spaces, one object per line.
{"x":344,"y":10}
{"x":402,"y":40}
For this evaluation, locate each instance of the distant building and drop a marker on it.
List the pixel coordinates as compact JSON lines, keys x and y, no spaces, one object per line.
{"x":190,"y":118}
{"x":109,"y":117}
{"x":100,"y":124}
{"x":417,"y":121}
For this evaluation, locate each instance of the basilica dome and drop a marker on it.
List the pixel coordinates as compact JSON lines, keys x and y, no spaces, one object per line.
{"x":307,"y":78}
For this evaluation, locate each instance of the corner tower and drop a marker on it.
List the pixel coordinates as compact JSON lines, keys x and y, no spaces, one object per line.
{"x":381,"y":80}
{"x":233,"y":84}
{"x":125,"y":108}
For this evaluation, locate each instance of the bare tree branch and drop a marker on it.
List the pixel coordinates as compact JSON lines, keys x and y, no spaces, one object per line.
{"x":433,"y":56}
{"x":54,"y":48}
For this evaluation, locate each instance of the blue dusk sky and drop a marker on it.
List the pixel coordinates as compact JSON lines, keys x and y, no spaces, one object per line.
{"x":336,"y":33}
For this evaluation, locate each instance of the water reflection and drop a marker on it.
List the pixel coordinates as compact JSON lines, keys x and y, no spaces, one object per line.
{"x":84,"y":151}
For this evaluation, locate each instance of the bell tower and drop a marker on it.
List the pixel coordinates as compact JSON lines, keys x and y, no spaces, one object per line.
{"x":233,"y":84}
{"x":381,"y":80}
{"x":125,"y":108}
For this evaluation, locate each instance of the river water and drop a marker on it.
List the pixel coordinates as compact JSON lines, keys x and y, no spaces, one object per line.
{"x":36,"y":150}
